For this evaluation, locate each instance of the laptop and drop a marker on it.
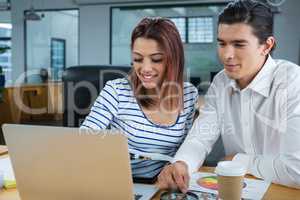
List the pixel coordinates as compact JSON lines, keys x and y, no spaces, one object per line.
{"x":71,"y":164}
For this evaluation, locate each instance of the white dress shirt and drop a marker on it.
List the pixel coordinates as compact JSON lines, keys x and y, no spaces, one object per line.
{"x":259,"y":124}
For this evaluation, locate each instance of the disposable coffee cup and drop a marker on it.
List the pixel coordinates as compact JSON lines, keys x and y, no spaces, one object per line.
{"x":230,"y":175}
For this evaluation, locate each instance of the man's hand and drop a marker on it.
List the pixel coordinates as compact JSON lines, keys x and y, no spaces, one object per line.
{"x":174,"y":176}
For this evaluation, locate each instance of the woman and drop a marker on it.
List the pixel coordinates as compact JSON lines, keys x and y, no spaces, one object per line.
{"x":154,"y":108}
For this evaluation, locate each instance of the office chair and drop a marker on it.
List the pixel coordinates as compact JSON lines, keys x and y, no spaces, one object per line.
{"x":82,"y":85}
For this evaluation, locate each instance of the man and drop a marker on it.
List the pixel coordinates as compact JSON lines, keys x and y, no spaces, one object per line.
{"x":254,"y":103}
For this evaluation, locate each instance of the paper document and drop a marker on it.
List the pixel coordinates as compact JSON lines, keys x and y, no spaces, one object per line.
{"x":144,"y":191}
{"x":6,"y":168}
{"x":9,"y":176}
{"x":207,"y":183}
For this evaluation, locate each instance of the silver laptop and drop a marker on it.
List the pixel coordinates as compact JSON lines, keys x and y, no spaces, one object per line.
{"x":71,"y":164}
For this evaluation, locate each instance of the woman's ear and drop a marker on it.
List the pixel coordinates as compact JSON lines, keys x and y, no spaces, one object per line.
{"x":269,"y":44}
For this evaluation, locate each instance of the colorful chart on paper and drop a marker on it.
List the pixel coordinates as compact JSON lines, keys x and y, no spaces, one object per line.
{"x":202,"y":182}
{"x":211,"y":182}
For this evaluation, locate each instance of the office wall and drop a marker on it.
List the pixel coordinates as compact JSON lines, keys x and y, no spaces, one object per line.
{"x":94,"y":44}
{"x":94,"y":35}
{"x":287,"y":31}
{"x":286,"y":28}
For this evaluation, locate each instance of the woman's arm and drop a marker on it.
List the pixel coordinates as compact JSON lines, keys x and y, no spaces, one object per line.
{"x":103,"y":110}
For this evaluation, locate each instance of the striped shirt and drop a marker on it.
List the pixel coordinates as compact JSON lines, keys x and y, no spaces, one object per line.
{"x":117,"y":107}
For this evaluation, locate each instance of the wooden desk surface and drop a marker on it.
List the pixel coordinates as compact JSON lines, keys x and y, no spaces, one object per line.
{"x":275,"y":192}
{"x":3,"y":150}
{"x":48,"y":96}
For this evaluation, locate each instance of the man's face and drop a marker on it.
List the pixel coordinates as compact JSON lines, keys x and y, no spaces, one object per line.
{"x":240,"y":52}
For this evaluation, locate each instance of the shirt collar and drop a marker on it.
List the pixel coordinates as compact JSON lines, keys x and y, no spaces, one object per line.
{"x":262,"y":81}
{"x":233,"y":85}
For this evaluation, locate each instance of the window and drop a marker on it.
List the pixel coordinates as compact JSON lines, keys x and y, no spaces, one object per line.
{"x":197,"y":25}
{"x":5,"y":56}
{"x":180,"y":23}
{"x":51,"y":44}
{"x":58,"y":57}
{"x":200,"y":29}
{"x":4,"y":59}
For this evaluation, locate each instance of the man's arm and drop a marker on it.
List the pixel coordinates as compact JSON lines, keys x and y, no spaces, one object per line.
{"x":196,"y":146}
{"x":204,"y":133}
{"x":283,"y":168}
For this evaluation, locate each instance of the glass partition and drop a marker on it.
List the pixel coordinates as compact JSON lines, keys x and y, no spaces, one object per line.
{"x":51,"y":44}
{"x":197,"y":25}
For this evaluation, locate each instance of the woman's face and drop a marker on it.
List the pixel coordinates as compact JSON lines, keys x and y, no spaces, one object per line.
{"x":148,"y":62}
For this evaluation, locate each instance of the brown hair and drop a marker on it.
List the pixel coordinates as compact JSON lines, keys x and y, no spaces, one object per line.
{"x":256,"y":14}
{"x":165,"y":33}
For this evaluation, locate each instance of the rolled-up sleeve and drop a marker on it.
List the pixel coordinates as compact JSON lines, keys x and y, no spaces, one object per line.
{"x":204,"y":133}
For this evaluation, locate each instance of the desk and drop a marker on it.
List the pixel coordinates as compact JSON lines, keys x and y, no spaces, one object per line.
{"x":3,"y":150}
{"x":47,"y":96}
{"x":275,"y":192}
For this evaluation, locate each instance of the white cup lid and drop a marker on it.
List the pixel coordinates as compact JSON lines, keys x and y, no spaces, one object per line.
{"x":230,"y":168}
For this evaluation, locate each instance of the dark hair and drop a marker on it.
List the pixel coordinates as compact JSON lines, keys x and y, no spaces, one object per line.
{"x":253,"y":13}
{"x":165,"y":33}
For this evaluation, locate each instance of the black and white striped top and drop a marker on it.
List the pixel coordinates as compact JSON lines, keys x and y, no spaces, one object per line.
{"x":117,"y":107}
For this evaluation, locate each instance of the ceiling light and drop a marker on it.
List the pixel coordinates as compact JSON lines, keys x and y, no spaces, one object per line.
{"x":32,"y":15}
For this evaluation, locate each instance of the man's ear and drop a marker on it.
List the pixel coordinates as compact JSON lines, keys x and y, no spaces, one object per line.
{"x":269,"y":44}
